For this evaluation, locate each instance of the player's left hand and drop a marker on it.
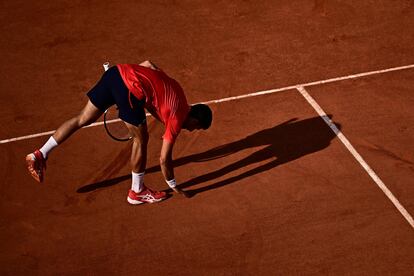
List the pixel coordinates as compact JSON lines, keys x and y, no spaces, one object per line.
{"x":182,"y":192}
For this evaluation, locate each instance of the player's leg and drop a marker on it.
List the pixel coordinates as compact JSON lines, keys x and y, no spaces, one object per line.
{"x":139,"y":147}
{"x":89,"y":114}
{"x":139,"y":193}
{"x":100,"y":98}
{"x":135,"y":119}
{"x":131,"y":111}
{"x":36,"y":161}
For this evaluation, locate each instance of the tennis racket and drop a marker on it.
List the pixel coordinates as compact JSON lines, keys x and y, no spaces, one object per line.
{"x":115,"y":128}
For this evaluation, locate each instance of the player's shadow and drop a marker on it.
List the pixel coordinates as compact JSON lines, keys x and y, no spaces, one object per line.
{"x":283,"y":143}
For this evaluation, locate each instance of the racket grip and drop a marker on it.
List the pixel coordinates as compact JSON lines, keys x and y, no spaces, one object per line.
{"x":106,"y":66}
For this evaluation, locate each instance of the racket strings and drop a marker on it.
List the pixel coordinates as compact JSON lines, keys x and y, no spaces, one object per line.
{"x":115,"y":128}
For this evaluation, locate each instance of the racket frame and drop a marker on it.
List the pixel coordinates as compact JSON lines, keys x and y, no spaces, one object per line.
{"x":110,"y":134}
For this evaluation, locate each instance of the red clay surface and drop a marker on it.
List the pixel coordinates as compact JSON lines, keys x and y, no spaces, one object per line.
{"x":275,"y":192}
{"x":377,"y":113}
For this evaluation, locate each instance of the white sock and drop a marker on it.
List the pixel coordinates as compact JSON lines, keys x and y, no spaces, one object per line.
{"x":137,"y":182}
{"x":50,"y":144}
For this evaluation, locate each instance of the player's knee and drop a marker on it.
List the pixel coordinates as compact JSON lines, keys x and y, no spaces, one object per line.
{"x":84,"y":120}
{"x":141,"y":138}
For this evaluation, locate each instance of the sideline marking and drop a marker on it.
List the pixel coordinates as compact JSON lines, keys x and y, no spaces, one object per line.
{"x":357,"y":156}
{"x":259,"y":93}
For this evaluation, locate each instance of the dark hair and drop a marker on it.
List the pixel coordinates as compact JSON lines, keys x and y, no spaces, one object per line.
{"x":203,"y":114}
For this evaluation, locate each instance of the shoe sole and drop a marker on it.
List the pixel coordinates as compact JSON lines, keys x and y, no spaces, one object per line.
{"x":136,"y":202}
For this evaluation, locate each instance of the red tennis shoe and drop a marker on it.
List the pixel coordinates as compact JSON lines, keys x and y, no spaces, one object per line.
{"x":145,"y":196}
{"x":36,"y":164}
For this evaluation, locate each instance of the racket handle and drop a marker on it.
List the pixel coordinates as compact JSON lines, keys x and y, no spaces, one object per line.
{"x":106,"y":66}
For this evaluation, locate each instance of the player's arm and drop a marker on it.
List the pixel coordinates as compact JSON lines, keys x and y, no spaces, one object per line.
{"x":166,"y":164}
{"x":166,"y":160}
{"x":149,"y":64}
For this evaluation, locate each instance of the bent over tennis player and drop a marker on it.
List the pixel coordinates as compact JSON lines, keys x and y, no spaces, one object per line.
{"x":132,"y":88}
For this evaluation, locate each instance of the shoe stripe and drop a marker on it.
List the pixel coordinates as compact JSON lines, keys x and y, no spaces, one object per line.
{"x":147,"y":198}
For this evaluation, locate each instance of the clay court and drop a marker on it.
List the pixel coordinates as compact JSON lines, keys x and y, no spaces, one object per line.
{"x":308,"y":168}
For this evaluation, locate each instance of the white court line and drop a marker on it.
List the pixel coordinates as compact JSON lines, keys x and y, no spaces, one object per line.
{"x":259,"y":93}
{"x":357,"y":156}
{"x":312,"y":84}
{"x":53,"y":131}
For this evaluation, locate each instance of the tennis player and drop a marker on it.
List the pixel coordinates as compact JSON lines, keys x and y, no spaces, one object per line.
{"x":134,"y":88}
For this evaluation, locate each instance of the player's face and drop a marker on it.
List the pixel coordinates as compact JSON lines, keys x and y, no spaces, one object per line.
{"x":192,"y":124}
